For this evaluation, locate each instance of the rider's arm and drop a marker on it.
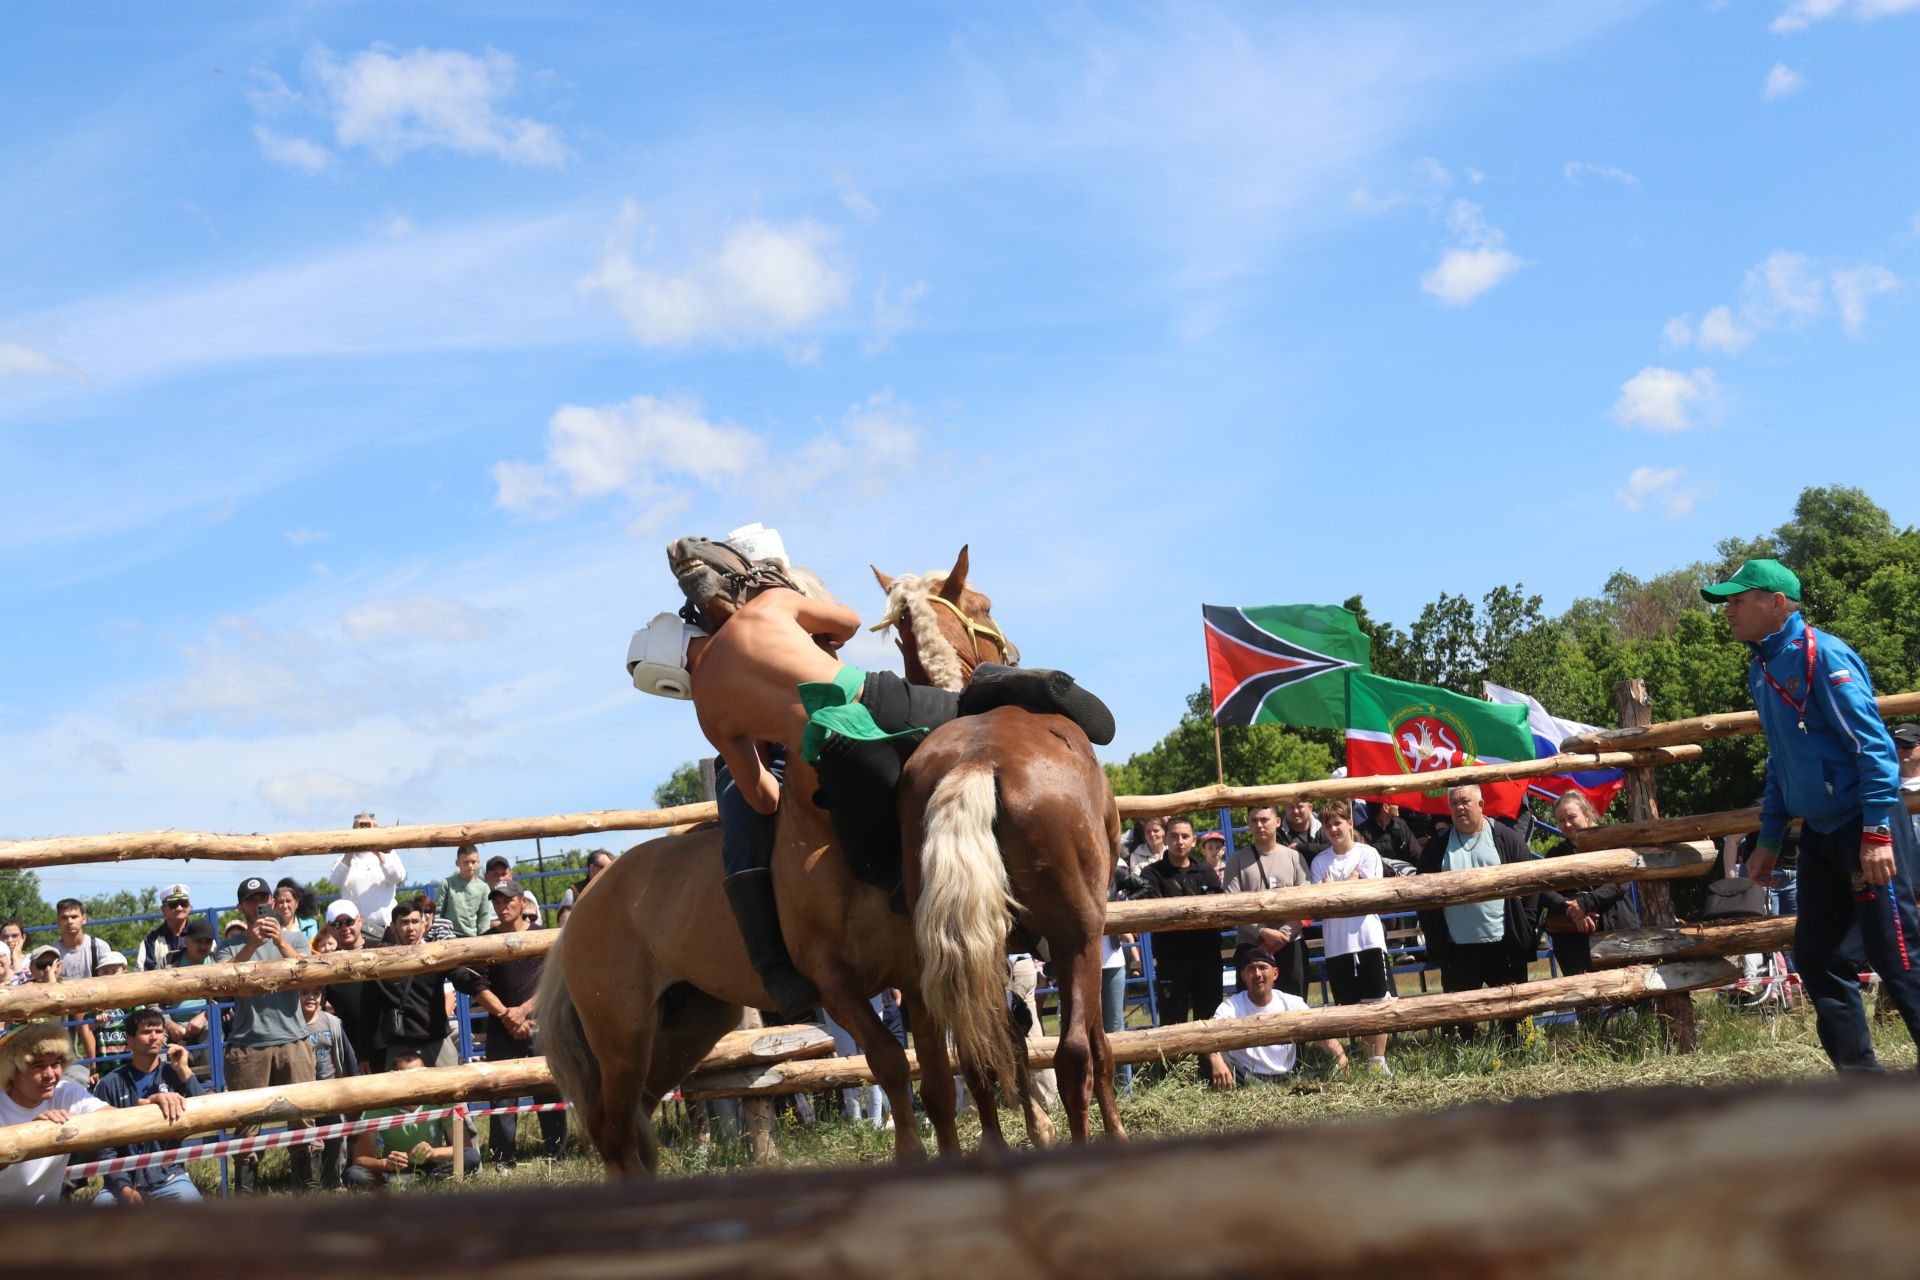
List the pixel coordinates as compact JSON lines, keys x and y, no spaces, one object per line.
{"x":758,"y":786}
{"x":819,"y":617}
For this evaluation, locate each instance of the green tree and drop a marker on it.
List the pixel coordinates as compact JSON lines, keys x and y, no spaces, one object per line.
{"x":20,"y":899}
{"x":1254,"y":755}
{"x":683,"y":786}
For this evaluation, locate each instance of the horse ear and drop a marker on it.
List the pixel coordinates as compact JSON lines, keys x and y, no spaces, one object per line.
{"x":886,"y":583}
{"x":956,"y":578}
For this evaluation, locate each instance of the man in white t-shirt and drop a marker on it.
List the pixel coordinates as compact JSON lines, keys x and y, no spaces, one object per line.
{"x":1266,"y":1063}
{"x":370,"y":878}
{"x":33,"y":1064}
{"x":1358,"y":970}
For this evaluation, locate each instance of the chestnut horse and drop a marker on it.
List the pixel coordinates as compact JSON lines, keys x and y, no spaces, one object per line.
{"x":652,"y":972}
{"x":1006,"y":819}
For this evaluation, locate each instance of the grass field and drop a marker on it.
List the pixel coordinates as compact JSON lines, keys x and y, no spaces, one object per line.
{"x":1431,"y":1071}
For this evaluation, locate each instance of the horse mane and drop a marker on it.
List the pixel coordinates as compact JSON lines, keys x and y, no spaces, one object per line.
{"x":908,"y":598}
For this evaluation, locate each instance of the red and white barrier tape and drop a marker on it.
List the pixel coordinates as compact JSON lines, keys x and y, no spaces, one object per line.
{"x":287,"y":1138}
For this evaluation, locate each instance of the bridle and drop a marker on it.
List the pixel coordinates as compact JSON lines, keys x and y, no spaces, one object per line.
{"x":975,"y":629}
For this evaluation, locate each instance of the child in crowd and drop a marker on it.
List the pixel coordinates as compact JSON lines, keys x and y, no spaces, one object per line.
{"x":333,"y":1059}
{"x":1356,"y":946}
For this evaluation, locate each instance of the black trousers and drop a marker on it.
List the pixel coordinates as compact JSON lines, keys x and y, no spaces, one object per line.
{"x":1473,"y":965}
{"x":504,"y":1130}
{"x":857,"y":778}
{"x":1187,"y":988}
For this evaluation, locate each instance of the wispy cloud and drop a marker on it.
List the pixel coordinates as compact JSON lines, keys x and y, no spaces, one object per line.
{"x":1575,"y":170}
{"x":390,"y":103}
{"x":1785,"y":291}
{"x":425,"y":616}
{"x":760,"y":281}
{"x":1664,"y":488}
{"x":303,"y":536}
{"x":1666,"y":399}
{"x":894,"y":312}
{"x":1782,"y":82}
{"x":1476,"y":264}
{"x":17,"y":361}
{"x":1799,"y":15}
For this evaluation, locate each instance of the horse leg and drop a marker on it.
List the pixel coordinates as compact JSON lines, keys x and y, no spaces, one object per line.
{"x":689,"y":1028}
{"x":1103,"y":1064}
{"x":986,"y":1101}
{"x":886,"y":1059}
{"x":937,"y":1092}
{"x":619,"y":1126}
{"x":1039,"y":1123}
{"x":1073,"y":1061}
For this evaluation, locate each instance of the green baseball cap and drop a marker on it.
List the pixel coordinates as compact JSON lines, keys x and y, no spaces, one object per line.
{"x":1756,"y":575}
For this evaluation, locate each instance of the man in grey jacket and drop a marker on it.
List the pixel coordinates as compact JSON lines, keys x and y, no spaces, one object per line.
{"x":1269,"y":864}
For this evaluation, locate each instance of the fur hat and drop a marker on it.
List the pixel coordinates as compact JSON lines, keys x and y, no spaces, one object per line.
{"x":35,"y":1040}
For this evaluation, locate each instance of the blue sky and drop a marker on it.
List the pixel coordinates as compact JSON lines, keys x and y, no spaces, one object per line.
{"x":356,"y":361}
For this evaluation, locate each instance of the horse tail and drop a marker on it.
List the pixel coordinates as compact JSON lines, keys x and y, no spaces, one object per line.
{"x":962,"y":919}
{"x":576,"y":1072}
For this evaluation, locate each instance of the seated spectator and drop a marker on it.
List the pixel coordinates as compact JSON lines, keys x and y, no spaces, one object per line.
{"x":369,"y":878}
{"x":506,"y":990}
{"x":154,"y":1070}
{"x":332,"y":1060}
{"x":1265,"y":863}
{"x":597,"y":861}
{"x":1573,"y":918}
{"x":268,"y":1044}
{"x":187,"y":1021}
{"x":13,"y":935}
{"x":438,"y":929}
{"x":34,"y":1085}
{"x":1358,"y":970}
{"x":158,"y":947}
{"x":425,"y":1149}
{"x":499,"y":871}
{"x":44,"y":965}
{"x":409,"y":1013}
{"x":294,"y":907}
{"x":464,"y":894}
{"x":1479,"y":944}
{"x":1260,"y":1064}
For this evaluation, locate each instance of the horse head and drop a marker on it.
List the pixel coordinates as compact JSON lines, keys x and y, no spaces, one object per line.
{"x":946,"y":628}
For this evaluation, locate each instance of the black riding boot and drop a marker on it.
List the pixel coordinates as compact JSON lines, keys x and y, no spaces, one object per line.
{"x":750,"y":894}
{"x":1037,"y":689}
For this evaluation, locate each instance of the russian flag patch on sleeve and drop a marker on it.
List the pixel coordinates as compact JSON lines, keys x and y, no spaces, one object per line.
{"x":1842,"y":676}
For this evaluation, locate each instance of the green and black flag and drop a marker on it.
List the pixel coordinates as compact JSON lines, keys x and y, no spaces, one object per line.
{"x":1282,"y":663}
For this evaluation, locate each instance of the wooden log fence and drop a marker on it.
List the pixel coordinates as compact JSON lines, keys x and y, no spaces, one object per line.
{"x":1465,"y":1190}
{"x":1337,"y":1022}
{"x":125,"y":846}
{"x":286,"y":1103}
{"x":1680,"y":942}
{"x":1699,"y":826}
{"x":169,"y":987}
{"x":1700,"y":728}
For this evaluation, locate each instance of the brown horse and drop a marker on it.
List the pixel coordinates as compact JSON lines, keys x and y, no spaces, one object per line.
{"x":653,"y":972}
{"x":1006,"y":818}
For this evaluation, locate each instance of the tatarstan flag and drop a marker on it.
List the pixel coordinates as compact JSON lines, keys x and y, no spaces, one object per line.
{"x":1397,"y":728}
{"x":1282,"y":663}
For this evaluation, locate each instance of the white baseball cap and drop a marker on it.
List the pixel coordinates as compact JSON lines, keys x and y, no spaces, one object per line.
{"x":342,"y":910}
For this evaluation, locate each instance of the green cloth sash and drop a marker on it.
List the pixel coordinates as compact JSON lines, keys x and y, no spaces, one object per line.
{"x":831,"y":709}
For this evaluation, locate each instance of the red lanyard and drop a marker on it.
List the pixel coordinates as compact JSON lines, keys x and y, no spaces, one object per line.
{"x":1799,"y":708}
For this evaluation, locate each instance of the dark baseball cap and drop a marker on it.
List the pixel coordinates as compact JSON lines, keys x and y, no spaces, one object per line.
{"x":1908,"y":732}
{"x":506,"y":889}
{"x":498,"y":863}
{"x":1756,"y":575}
{"x":199,"y":927}
{"x":250,"y":886}
{"x":1249,"y":953}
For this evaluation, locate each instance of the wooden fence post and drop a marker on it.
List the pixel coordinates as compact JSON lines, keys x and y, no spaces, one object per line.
{"x":1656,"y":903}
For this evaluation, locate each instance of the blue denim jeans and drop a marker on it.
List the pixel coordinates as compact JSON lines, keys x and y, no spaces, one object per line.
{"x":1113,"y":1016}
{"x":177,"y":1187}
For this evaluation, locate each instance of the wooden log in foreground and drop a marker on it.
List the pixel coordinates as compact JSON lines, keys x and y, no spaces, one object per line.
{"x":1658,"y":1184}
{"x":1700,"y":728}
{"x":120,"y":847}
{"x":1407,"y":893}
{"x":1411,"y":1013}
{"x":1679,"y":942}
{"x":286,"y":1103}
{"x":1223,"y":797}
{"x":1699,"y":826}
{"x":54,"y":851}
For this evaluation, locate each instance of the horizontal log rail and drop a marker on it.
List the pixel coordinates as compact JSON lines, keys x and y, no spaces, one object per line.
{"x":1698,"y":826}
{"x":1679,"y":942}
{"x":1465,"y":1187}
{"x":1335,"y":1022}
{"x":1700,"y":728}
{"x":120,"y":847}
{"x":286,"y":1103}
{"x":168,"y":987}
{"x":1224,"y":797}
{"x":1408,"y":893}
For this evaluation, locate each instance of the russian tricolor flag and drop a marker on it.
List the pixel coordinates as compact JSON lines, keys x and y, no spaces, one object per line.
{"x":1549,"y":731}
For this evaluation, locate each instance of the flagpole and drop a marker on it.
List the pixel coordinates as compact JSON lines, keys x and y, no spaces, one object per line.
{"x":1219,"y":760}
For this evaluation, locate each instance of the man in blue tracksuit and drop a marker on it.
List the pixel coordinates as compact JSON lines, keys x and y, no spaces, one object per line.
{"x":1833,"y":765}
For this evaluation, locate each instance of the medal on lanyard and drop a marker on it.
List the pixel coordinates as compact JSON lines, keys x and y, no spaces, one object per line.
{"x":1799,"y":708}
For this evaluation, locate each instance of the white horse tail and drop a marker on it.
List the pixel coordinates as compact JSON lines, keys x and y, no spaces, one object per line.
{"x":961,"y":920}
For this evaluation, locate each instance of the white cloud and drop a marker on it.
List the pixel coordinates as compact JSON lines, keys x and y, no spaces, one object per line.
{"x":17,"y":361}
{"x":1801,"y":14}
{"x":1661,"y":487}
{"x":1784,"y":289}
{"x":1577,"y":169}
{"x":1719,"y":331}
{"x":296,"y":153}
{"x":391,"y":103}
{"x":1678,"y":332}
{"x":302,"y":536}
{"x":1852,"y":286}
{"x":893,"y":314}
{"x":876,"y":442}
{"x":1480,"y":262}
{"x":397,"y":226}
{"x":1366,"y":200}
{"x":761,"y":281}
{"x":418,"y":617}
{"x":1430,"y":170}
{"x":1665,"y":399}
{"x":1782,"y":82}
{"x":855,"y":201}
